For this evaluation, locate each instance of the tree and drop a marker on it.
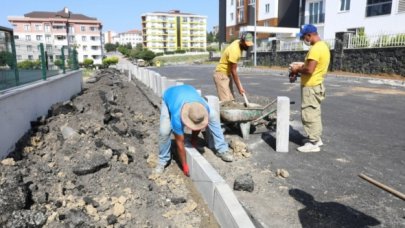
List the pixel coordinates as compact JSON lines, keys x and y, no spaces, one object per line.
{"x":148,"y":55}
{"x":139,"y":47}
{"x":210,"y":37}
{"x":128,"y":46}
{"x":6,"y":58}
{"x":110,"y":47}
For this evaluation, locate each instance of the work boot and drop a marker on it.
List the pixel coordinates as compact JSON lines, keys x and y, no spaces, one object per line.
{"x":225,"y":156}
{"x":309,"y":148}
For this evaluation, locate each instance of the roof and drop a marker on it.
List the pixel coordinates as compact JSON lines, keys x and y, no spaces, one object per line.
{"x":59,"y":14}
{"x":133,"y":31}
{"x":174,"y":12}
{"x":5,"y":29}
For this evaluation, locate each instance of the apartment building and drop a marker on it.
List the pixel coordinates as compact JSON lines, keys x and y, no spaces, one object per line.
{"x":133,"y":37}
{"x":56,"y":30}
{"x":109,"y":37}
{"x":373,"y":17}
{"x":240,"y":14}
{"x":173,"y":30}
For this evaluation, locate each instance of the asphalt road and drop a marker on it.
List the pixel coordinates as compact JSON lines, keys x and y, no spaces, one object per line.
{"x":364,"y":132}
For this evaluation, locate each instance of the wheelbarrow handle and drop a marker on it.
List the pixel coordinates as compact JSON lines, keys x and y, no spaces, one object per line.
{"x":264,"y":115}
{"x":268,"y":105}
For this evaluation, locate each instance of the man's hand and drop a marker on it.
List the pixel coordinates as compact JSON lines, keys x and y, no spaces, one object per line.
{"x":186,"y":170}
{"x":241,"y":90}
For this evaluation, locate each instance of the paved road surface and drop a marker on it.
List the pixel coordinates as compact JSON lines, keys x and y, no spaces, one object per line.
{"x":364,"y":132}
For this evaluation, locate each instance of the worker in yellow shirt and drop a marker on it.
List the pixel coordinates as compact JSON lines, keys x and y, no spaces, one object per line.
{"x":226,"y":70}
{"x":312,"y":72}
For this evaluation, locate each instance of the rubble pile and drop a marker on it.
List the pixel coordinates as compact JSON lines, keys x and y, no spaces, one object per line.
{"x":89,"y":163}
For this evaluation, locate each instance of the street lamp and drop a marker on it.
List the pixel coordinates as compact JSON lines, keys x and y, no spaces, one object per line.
{"x":66,"y":10}
{"x":253,"y":4}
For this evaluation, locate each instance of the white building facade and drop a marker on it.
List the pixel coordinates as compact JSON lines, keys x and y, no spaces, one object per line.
{"x":373,"y":17}
{"x":133,"y":37}
{"x":56,"y":30}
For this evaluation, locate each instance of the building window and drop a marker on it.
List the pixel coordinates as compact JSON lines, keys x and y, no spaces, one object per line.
{"x":84,"y":47}
{"x":83,"y":28}
{"x":60,"y":37}
{"x":378,"y":7}
{"x":28,"y":37}
{"x":316,"y":14}
{"x":47,"y":37}
{"x":83,"y":38}
{"x":30,"y":57}
{"x":47,"y":28}
{"x":16,"y":37}
{"x":266,"y":24}
{"x":344,"y":5}
{"x":29,"y":48}
{"x":85,"y":56}
{"x":241,"y":15}
{"x":231,"y":16}
{"x":39,"y":37}
{"x":38,"y":27}
{"x":231,"y":2}
{"x":267,"y":8}
{"x":19,"y":57}
{"x":27,"y":28}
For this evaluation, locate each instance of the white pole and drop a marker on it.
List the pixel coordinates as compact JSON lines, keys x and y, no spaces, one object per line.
{"x":255,"y":45}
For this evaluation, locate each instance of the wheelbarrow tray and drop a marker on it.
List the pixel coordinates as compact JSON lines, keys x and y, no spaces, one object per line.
{"x":241,"y":114}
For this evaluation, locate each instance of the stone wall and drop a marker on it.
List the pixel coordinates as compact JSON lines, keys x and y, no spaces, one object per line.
{"x":374,"y":60}
{"x":390,"y":60}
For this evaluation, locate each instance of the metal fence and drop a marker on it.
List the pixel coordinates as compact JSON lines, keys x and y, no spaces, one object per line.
{"x":33,"y":62}
{"x":300,"y":46}
{"x":376,"y":41}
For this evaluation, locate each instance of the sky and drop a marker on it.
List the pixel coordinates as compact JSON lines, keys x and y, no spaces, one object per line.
{"x":115,"y":15}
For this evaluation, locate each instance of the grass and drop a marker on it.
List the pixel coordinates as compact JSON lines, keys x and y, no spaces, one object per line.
{"x":88,"y":72}
{"x":170,"y":59}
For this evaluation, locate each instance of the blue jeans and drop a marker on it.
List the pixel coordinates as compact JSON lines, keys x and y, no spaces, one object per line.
{"x":215,"y":137}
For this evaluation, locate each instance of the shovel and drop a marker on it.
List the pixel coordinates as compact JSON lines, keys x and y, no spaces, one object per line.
{"x":247,"y":104}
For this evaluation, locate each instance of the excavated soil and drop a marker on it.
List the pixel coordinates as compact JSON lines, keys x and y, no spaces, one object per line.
{"x":89,"y":164}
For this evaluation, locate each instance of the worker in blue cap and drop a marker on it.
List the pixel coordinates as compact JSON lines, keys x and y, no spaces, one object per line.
{"x":313,"y":72}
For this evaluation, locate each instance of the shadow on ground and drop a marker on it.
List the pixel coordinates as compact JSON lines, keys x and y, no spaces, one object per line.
{"x":329,"y":214}
{"x":295,"y":137}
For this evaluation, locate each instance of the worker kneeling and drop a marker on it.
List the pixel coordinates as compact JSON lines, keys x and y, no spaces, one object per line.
{"x":182,"y":106}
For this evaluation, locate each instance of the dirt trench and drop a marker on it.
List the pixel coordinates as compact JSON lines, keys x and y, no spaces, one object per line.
{"x":89,"y":164}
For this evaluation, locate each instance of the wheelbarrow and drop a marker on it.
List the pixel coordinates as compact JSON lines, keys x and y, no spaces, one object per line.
{"x":237,"y":113}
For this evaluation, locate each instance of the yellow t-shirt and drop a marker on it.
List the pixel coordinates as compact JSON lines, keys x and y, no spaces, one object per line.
{"x":231,"y":54}
{"x":321,"y":54}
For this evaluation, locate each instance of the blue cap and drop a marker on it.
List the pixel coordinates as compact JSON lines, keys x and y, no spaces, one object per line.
{"x":305,"y":29}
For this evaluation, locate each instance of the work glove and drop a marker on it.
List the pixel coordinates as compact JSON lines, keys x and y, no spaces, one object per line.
{"x":186,"y":170}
